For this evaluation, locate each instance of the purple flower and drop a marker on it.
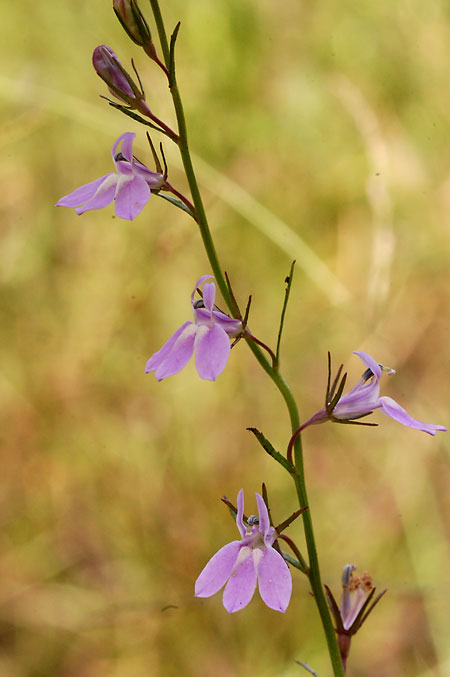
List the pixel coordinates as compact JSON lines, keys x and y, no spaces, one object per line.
{"x":243,"y":563}
{"x":208,"y":335}
{"x":364,"y":398}
{"x":130,"y":186}
{"x":356,"y":604}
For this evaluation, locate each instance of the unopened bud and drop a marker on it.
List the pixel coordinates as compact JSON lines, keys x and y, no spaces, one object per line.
{"x":111,"y":71}
{"x":132,"y":21}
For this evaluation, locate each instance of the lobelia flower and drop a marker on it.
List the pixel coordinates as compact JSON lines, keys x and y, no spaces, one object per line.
{"x":355,"y":606}
{"x":130,"y":186}
{"x":364,"y":398}
{"x":208,"y":335}
{"x":248,"y":561}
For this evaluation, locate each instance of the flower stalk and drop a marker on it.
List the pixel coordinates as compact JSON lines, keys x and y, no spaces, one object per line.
{"x":273,"y":373}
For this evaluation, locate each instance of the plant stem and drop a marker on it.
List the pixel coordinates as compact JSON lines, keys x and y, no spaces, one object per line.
{"x":275,"y":375}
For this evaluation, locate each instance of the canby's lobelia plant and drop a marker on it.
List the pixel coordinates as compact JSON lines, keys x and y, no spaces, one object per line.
{"x":256,"y":559}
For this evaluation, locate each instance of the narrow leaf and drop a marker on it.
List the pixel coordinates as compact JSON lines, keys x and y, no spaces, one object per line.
{"x":173,"y":39}
{"x":288,"y":281}
{"x":175,"y":202}
{"x":266,"y":445}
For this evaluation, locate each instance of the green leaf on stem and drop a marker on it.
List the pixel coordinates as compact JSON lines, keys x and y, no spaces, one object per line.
{"x":266,"y":445}
{"x":176,"y":202}
{"x":173,"y":39}
{"x":135,"y":116}
{"x":292,"y":561}
{"x":283,"y":312}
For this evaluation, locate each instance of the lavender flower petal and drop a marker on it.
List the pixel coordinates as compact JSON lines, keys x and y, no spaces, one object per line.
{"x":154,"y":179}
{"x":126,"y":140}
{"x":131,"y":197}
{"x":103,"y":196}
{"x":395,"y":411}
{"x":274,"y":580}
{"x":159,"y":357}
{"x":199,"y":284}
{"x":229,"y":324}
{"x":242,"y":583}
{"x":369,"y":362}
{"x":82,"y":194}
{"x":264,"y":521}
{"x":212,"y":348}
{"x":174,"y":354}
{"x":361,"y":399}
{"x":179,"y":356}
{"x":209,"y":295}
{"x":217,"y":571}
{"x":240,"y":513}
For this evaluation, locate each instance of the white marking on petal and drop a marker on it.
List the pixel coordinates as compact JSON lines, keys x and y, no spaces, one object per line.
{"x":257,"y":556}
{"x":244,"y":553}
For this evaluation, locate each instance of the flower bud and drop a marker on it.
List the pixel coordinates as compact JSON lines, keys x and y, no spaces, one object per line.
{"x":132,"y":21}
{"x":109,"y":68}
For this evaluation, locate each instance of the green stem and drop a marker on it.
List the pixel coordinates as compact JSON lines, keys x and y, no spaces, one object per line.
{"x":275,"y":375}
{"x":187,"y":163}
{"x":161,"y":31}
{"x":314,"y":571}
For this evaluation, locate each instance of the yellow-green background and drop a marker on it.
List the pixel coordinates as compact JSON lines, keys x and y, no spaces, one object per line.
{"x":335,"y":119}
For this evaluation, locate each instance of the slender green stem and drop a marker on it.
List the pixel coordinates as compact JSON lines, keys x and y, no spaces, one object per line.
{"x":275,"y":375}
{"x":187,"y":163}
{"x":161,"y":31}
{"x":314,"y":571}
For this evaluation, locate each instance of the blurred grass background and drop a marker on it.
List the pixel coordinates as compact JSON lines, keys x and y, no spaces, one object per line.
{"x":321,"y":134}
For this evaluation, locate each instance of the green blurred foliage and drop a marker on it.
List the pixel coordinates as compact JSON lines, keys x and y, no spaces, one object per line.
{"x":335,"y":119}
